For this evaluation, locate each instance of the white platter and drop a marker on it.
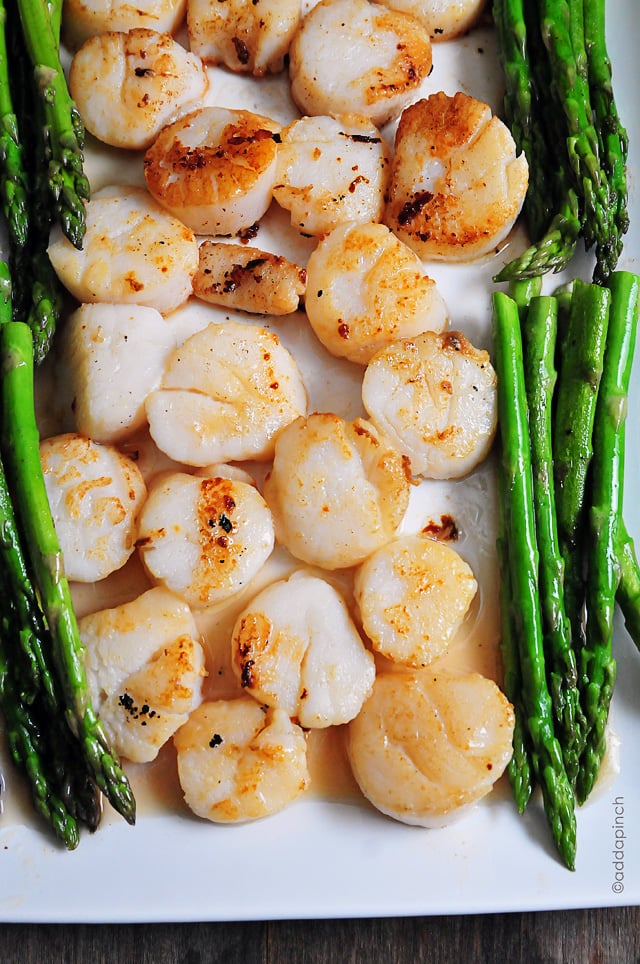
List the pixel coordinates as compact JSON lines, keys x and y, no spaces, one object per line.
{"x":323,"y":858}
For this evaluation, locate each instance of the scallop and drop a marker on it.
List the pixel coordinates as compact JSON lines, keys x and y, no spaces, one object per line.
{"x":134,"y":253}
{"x":128,"y":86}
{"x":366,"y":289}
{"x":95,"y":493}
{"x":413,"y":595}
{"x":426,"y":746}
{"x":82,"y":19}
{"x":338,"y":490}
{"x":227,"y":392}
{"x":331,"y":170}
{"x":245,"y":37}
{"x":113,"y":356}
{"x":248,"y":279}
{"x":214,"y":169}
{"x":444,"y":19}
{"x":238,"y":761}
{"x":435,"y":397}
{"x":307,"y":657}
{"x":457,"y":181}
{"x":352,"y":56}
{"x":205,"y":538}
{"x":144,"y":663}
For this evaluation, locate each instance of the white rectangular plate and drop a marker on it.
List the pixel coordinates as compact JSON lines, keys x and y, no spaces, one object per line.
{"x":326,"y":859}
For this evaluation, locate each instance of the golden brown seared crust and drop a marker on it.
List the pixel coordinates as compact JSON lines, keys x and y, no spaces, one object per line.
{"x":457,"y":185}
{"x":352,"y":56}
{"x":248,"y":279}
{"x":445,"y":122}
{"x":229,"y":165}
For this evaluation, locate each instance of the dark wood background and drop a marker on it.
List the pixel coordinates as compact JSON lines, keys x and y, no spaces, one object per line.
{"x":573,"y":937}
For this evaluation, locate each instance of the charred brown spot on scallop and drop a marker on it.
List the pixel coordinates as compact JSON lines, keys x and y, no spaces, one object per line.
{"x":412,"y":209}
{"x":246,"y":677}
{"x":133,"y":283}
{"x":259,"y":262}
{"x":241,"y":49}
{"x":261,"y":134}
{"x":360,"y":179}
{"x":247,"y":234}
{"x":453,"y":341}
{"x":140,"y":712}
{"x":215,"y":509}
{"x":361,"y":429}
{"x":194,"y":159}
{"x":361,"y":138}
{"x":251,"y":638}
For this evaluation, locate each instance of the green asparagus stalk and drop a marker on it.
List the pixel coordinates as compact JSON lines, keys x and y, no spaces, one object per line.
{"x":579,"y":375}
{"x":54,"y":9}
{"x":28,"y":650}
{"x":521,"y":107}
{"x":520,"y":767}
{"x":628,"y":595}
{"x":34,"y":688}
{"x":13,"y":179}
{"x":21,"y":449}
{"x":522,"y":290}
{"x":28,"y":752}
{"x":515,"y":465}
{"x":37,"y":294}
{"x":597,"y":664}
{"x":539,"y":345}
{"x":612,"y":136}
{"x":559,"y":103}
{"x":560,"y":33}
{"x":551,"y":205}
{"x":554,"y":250}
{"x":68,"y":183}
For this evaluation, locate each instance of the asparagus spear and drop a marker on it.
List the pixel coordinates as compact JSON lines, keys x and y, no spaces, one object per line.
{"x":21,"y":449}
{"x":515,"y":464}
{"x":539,"y":338}
{"x":13,"y":178}
{"x":561,"y":33}
{"x":521,"y":107}
{"x":37,"y":294}
{"x":628,"y":595}
{"x":597,"y":663}
{"x":68,"y":183}
{"x":579,"y":376}
{"x":522,"y":291}
{"x":612,"y":136}
{"x":551,"y":205}
{"x":577,"y":167}
{"x":520,"y":767}
{"x":28,"y":752}
{"x":555,"y":248}
{"x":28,"y":650}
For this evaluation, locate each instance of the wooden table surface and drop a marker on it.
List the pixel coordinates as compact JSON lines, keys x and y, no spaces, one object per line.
{"x":572,"y":937}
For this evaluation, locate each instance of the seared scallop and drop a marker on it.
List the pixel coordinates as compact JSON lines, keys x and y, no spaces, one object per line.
{"x":457,"y":182}
{"x":214,"y":169}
